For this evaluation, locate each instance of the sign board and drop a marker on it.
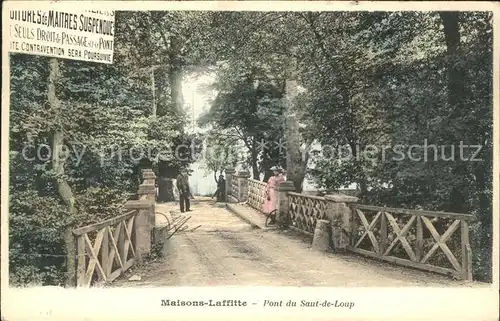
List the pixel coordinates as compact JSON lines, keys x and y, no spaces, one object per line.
{"x":70,"y":34}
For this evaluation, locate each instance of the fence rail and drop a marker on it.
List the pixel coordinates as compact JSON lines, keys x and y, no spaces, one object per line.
{"x":412,"y":238}
{"x":306,"y":210}
{"x":105,"y":250}
{"x":256,"y":194}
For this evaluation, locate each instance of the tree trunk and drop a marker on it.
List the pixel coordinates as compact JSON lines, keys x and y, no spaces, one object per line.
{"x":296,"y":159}
{"x":175,"y":75}
{"x":267,"y":176}
{"x":153,"y":93}
{"x":255,"y":167}
{"x":456,"y":93}
{"x":175,"y":78}
{"x":63,"y":187}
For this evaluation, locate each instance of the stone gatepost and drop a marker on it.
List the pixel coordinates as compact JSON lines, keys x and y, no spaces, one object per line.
{"x":243,"y":177}
{"x":147,"y":188}
{"x":143,"y":227}
{"x":229,"y":180}
{"x":321,"y":238}
{"x":340,"y":216}
{"x":147,"y":192}
{"x":148,"y":176}
{"x":283,"y":205}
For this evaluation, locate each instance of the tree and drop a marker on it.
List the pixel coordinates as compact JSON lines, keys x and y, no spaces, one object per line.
{"x":247,"y":105}
{"x":219,"y":153}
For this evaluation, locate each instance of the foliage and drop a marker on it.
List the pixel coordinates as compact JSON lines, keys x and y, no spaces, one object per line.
{"x":35,"y":227}
{"x":248,"y":108}
{"x":219,"y":153}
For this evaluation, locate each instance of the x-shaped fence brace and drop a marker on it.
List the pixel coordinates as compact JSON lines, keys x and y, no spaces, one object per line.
{"x":121,"y":244}
{"x":401,"y":236}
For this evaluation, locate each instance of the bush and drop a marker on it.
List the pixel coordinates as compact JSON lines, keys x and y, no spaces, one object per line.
{"x":37,"y":251}
{"x":481,"y":244}
{"x":97,"y":204}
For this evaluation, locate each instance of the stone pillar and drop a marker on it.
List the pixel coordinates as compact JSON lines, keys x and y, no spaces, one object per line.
{"x":143,"y":226}
{"x":147,"y":192}
{"x":340,"y":216}
{"x":229,"y":181}
{"x":282,"y":206}
{"x":148,"y":176}
{"x":321,"y":239}
{"x":243,"y":185}
{"x":147,"y":189}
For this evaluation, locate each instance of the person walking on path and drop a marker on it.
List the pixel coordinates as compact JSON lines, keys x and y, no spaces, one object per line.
{"x":271,"y":190}
{"x":182,"y":183}
{"x":221,"y":189}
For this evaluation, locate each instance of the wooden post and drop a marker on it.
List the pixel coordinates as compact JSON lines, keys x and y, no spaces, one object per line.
{"x":466,"y":252}
{"x":341,"y":219}
{"x":283,"y":203}
{"x":420,"y":240}
{"x":229,"y":180}
{"x":383,"y":233}
{"x":81,"y":268}
{"x":105,"y":252}
{"x":121,"y":244}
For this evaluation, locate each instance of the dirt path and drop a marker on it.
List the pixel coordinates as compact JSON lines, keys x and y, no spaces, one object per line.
{"x":225,"y":250}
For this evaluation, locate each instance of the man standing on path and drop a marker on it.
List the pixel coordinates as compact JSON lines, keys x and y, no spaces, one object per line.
{"x":221,"y":189}
{"x":184,"y":191}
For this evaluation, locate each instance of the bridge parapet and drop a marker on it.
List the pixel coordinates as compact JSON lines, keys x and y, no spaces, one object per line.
{"x":413,"y":237}
{"x":105,"y":250}
{"x":237,"y":186}
{"x":229,"y":184}
{"x":425,"y":240}
{"x":256,"y":193}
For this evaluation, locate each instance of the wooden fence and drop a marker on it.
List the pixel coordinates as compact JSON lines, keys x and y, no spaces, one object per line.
{"x":105,"y":250}
{"x":256,"y":194}
{"x":419,"y":239}
{"x":305,"y":211}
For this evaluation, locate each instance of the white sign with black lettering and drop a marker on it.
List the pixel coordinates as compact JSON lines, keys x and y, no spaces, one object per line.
{"x":79,"y":35}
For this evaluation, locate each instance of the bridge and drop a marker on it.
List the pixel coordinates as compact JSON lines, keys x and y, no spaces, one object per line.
{"x":317,"y":241}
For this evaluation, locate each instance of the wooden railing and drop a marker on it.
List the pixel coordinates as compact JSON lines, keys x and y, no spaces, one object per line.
{"x":256,"y":194}
{"x":419,"y":239}
{"x":105,"y":250}
{"x":305,"y":210}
